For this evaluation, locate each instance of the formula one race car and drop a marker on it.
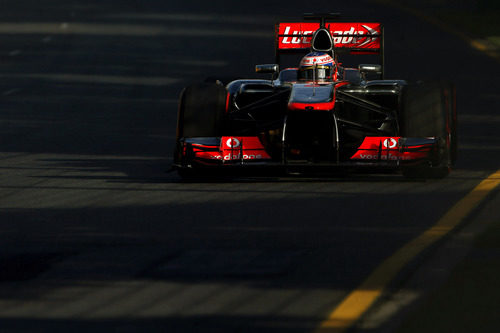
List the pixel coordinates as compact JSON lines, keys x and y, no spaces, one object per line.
{"x":321,"y":114}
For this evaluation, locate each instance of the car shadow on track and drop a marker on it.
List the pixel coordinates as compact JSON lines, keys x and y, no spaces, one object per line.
{"x":159,"y":170}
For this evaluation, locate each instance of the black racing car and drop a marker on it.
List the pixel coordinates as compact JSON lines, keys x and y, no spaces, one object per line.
{"x":319,"y":114}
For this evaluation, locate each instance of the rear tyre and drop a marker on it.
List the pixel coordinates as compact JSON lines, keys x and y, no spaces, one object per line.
{"x":201,"y":114}
{"x":428,"y":110}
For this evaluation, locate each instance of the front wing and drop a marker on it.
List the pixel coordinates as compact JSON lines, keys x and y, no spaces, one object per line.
{"x":242,"y":151}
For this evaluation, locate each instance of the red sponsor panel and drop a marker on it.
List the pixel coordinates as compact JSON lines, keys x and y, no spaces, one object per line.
{"x":247,"y":142}
{"x":387,"y":149}
{"x":246,"y":148}
{"x":355,"y":35}
{"x":233,"y":148}
{"x":374,"y":142}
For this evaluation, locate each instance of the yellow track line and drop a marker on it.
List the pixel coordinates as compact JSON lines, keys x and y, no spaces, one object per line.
{"x":360,"y":299}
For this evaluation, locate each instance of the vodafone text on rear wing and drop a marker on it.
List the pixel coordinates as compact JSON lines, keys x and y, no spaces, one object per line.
{"x":351,"y":37}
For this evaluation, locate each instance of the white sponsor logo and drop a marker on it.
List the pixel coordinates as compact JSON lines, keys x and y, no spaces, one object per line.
{"x":229,"y":157}
{"x":376,"y":157}
{"x":389,"y":157}
{"x":295,"y":40}
{"x":316,"y":60}
{"x":390,"y":143}
{"x":233,"y":143}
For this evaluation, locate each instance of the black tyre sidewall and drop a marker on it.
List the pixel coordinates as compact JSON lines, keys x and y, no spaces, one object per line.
{"x":428,"y":110}
{"x":201,"y":111}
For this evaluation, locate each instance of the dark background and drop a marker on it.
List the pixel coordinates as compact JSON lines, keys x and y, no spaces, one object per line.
{"x":96,"y":235}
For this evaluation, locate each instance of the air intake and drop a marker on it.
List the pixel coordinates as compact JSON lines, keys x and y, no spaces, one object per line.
{"x":322,"y":41}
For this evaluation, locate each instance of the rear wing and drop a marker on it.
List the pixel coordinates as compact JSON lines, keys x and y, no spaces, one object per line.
{"x":348,"y":37}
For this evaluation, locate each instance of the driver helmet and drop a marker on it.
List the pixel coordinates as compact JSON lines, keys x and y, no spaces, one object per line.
{"x":317,"y":66}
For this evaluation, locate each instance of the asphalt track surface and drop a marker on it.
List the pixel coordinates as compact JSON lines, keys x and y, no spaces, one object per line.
{"x":95,"y":235}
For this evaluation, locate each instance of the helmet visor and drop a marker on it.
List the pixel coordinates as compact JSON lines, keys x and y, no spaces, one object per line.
{"x":318,"y":72}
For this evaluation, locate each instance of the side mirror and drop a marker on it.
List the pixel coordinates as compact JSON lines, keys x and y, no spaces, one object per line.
{"x":267,"y":68}
{"x":365,"y":69}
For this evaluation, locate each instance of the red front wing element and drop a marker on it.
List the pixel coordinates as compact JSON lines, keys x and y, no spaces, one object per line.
{"x":230,"y":149}
{"x":393,"y":149}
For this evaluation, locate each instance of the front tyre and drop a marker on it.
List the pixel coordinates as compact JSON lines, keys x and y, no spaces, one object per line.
{"x":202,"y":109}
{"x":429,"y":110}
